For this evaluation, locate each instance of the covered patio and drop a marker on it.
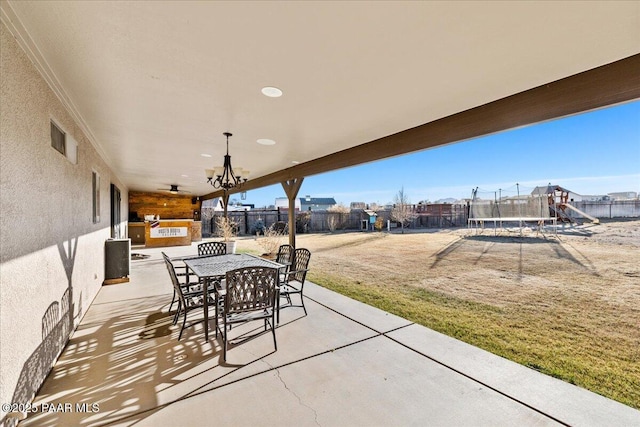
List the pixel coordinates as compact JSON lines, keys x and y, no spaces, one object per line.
{"x":344,"y":363}
{"x":142,"y":93}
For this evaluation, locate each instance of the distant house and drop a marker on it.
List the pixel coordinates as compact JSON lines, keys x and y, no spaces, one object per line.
{"x":358,"y":205}
{"x":447,"y":201}
{"x":624,"y":195}
{"x":309,"y":203}
{"x":283,"y":203}
{"x":240,"y":207}
{"x":217,"y":206}
{"x":214,"y":204}
{"x":593,"y":198}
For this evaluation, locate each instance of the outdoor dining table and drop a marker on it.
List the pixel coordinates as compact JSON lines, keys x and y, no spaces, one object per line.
{"x":210,"y":268}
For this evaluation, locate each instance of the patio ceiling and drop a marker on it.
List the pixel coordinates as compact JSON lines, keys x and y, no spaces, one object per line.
{"x":154,"y":85}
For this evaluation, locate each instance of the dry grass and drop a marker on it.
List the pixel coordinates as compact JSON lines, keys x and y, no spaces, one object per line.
{"x":566,"y":306}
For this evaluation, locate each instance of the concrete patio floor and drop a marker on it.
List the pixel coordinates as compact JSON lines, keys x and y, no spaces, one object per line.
{"x":345,"y":363}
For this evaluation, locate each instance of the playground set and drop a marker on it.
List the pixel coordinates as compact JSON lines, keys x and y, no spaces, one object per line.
{"x":542,"y":205}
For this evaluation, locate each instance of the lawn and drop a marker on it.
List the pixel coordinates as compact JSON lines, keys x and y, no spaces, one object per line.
{"x":565,"y":305}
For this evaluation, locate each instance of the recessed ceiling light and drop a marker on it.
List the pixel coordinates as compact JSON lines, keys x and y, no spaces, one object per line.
{"x":264,"y":141}
{"x":295,"y":162}
{"x":271,"y":92}
{"x":185,"y":176}
{"x":205,"y":155}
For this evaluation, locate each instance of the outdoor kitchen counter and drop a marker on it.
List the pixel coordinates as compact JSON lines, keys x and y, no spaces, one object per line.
{"x":171,"y":232}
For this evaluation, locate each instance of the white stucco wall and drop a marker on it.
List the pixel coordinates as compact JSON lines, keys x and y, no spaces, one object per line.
{"x":52,"y":254}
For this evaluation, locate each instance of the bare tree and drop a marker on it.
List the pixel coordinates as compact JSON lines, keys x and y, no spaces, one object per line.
{"x":402,"y":211}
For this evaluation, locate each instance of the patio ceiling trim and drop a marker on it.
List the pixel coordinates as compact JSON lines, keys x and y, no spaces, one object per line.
{"x":599,"y":87}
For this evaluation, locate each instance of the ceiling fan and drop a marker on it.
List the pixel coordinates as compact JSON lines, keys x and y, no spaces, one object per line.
{"x":174,"y":190}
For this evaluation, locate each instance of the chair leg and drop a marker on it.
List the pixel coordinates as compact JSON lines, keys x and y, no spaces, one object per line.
{"x":184,"y":321}
{"x":273,"y":332}
{"x":224,"y":343}
{"x":278,"y":305}
{"x":286,"y":295}
{"x":177,"y":315}
{"x":216,"y":311}
{"x":302,"y":301}
{"x":172,"y":300}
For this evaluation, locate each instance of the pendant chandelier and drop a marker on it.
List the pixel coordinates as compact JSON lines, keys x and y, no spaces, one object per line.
{"x":224,"y":176}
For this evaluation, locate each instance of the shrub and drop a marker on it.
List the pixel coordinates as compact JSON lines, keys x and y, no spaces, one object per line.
{"x":272,"y":239}
{"x":226,"y":228}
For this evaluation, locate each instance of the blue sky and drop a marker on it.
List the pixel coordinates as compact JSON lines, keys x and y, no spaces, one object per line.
{"x":591,"y":153}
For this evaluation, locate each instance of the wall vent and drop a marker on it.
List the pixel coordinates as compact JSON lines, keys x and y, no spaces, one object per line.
{"x":63,"y":143}
{"x":58,"y":139}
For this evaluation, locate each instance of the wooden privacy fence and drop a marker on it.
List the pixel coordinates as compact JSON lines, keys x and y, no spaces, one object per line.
{"x":441,"y":215}
{"x":249,"y":222}
{"x":426,"y":216}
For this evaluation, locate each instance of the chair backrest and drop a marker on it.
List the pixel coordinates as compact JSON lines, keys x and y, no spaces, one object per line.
{"x":285,"y":253}
{"x":174,"y":277}
{"x":168,"y":264}
{"x":300,"y":264}
{"x":212,"y":248}
{"x":250,"y":289}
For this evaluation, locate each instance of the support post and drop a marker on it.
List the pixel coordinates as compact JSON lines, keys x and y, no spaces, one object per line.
{"x":225,"y":201}
{"x":291,"y":188}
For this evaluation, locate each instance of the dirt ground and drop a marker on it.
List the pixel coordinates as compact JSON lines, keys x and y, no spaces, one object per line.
{"x":568,"y":302}
{"x":596,"y":262}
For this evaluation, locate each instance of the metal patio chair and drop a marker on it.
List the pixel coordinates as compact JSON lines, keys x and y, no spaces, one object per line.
{"x":293,"y":282}
{"x":284,"y":256}
{"x":185,"y":274}
{"x":212,"y":248}
{"x":250,"y":295}
{"x":189,"y":296}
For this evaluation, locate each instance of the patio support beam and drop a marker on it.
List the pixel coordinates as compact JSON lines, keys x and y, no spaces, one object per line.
{"x":291,"y":188}
{"x":599,"y":87}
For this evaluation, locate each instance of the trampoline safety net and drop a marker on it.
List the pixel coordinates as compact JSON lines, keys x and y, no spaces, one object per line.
{"x":509,"y":204}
